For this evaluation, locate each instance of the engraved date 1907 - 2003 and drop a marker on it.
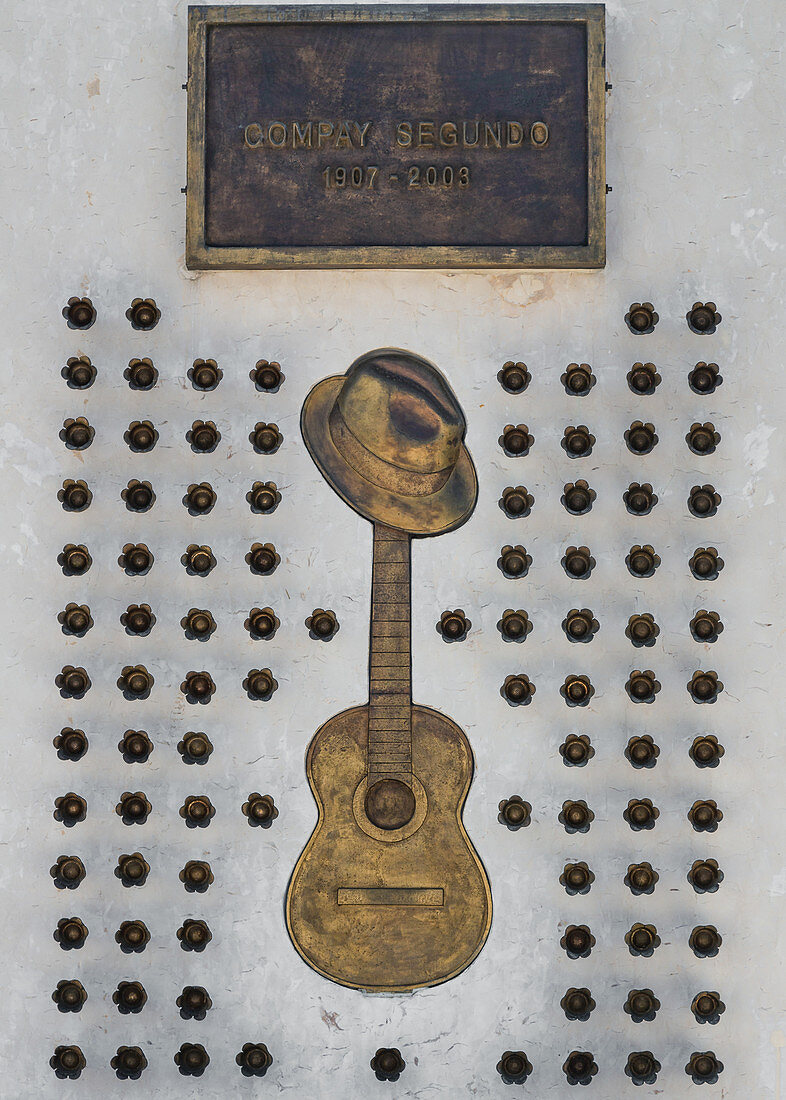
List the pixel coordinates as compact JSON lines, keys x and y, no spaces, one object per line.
{"x":417,"y":177}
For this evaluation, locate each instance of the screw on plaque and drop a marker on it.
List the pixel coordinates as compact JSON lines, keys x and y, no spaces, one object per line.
{"x":577,"y":1004}
{"x":136,"y":746}
{"x":254,"y":1059}
{"x":144,"y":314}
{"x":705,"y":876}
{"x":705,"y":564}
{"x":129,"y":1063}
{"x":136,"y":559}
{"x":130,"y":997}
{"x":133,"y":936}
{"x":641,"y":878}
{"x":705,"y":816}
{"x":264,"y":497}
{"x":197,"y":811}
{"x":514,"y":377}
{"x":387,"y":1064}
{"x":642,"y":630}
{"x":75,"y":619}
{"x":75,"y":496}
{"x":641,"y":318}
{"x":641,"y":1005}
{"x":260,"y":809}
{"x":643,"y":378}
{"x":141,"y":374}
{"x":198,"y":560}
{"x":205,"y":374}
{"x":641,"y":751}
{"x":578,"y":379}
{"x":642,"y":1067}
{"x":706,"y":626}
{"x":517,"y":690}
{"x":69,"y":995}
{"x":516,"y":440}
{"x":132,"y":870}
{"x":514,"y":626}
{"x":702,"y":439}
{"x":577,"y":441}
{"x":703,"y":501}
{"x":135,"y":682}
{"x":260,"y":684}
{"x":705,"y":378}
{"x":71,"y":744}
{"x":262,"y":622}
{"x":514,"y":813}
{"x":706,"y":751}
{"x":322,"y":624}
{"x":580,"y":625}
{"x":265,"y":438}
{"x":74,"y":559}
{"x":580,"y":1067}
{"x":516,"y":502}
{"x":138,"y":496}
{"x":200,"y":498}
{"x":577,"y":690}
{"x":70,"y":808}
{"x":194,"y":1002}
{"x":704,"y":1067}
{"x":639,"y":498}
{"x":707,"y":1007}
{"x":578,"y":562}
{"x":576,"y":750}
{"x":514,"y":1067}
{"x":704,"y":687}
{"x":133,"y":808}
{"x":79,"y":372}
{"x":640,"y":813}
{"x":73,"y":682}
{"x":192,"y":1059}
{"x":77,"y":434}
{"x":203,"y":436}
{"x":514,"y":561}
{"x":642,"y":561}
{"x":138,"y":619}
{"x":79,"y":313}
{"x":578,"y":498}
{"x":68,"y":1062}
{"x":195,"y":748}
{"x":453,"y":625}
{"x":705,"y":941}
{"x":642,"y":686}
{"x":267,"y":376}
{"x":68,"y":872}
{"x":194,"y":935}
{"x":196,"y":876}
{"x":642,"y":940}
{"x":70,"y":933}
{"x":198,"y":624}
{"x":577,"y":878}
{"x":576,"y":816}
{"x":263,"y":558}
{"x":703,"y":318}
{"x":641,"y":438}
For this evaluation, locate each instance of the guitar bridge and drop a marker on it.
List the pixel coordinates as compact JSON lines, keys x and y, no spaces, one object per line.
{"x":391,"y":895}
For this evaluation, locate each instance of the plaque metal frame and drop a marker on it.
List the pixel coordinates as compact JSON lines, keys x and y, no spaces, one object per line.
{"x":202,"y":256}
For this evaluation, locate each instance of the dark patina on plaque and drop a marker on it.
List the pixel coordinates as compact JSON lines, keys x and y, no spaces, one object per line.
{"x":404,"y":136}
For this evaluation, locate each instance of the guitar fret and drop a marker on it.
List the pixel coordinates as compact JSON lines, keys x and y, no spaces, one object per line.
{"x":390,"y":675}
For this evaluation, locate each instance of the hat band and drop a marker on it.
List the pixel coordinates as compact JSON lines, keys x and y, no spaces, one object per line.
{"x":373,"y":469}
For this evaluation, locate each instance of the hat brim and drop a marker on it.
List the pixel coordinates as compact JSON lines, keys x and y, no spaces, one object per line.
{"x":434,"y":514}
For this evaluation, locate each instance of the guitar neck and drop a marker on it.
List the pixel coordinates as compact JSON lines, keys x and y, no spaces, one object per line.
{"x":390,"y":657}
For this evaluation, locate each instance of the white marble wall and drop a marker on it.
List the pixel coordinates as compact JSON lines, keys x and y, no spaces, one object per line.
{"x":93,"y":148}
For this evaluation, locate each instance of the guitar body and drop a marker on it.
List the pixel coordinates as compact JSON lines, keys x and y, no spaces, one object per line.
{"x":389,"y":909}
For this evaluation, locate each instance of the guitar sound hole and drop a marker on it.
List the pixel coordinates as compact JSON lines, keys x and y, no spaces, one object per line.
{"x":390,"y":804}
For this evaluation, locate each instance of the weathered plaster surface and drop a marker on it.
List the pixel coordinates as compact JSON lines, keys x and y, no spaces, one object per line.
{"x":92,"y":142}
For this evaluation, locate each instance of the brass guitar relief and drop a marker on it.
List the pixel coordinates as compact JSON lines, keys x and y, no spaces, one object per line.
{"x":389,"y":893}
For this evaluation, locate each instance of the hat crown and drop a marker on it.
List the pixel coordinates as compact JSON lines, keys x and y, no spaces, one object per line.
{"x":400,"y":408}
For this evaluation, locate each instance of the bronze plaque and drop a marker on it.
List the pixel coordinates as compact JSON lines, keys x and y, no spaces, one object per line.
{"x":405,"y":136}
